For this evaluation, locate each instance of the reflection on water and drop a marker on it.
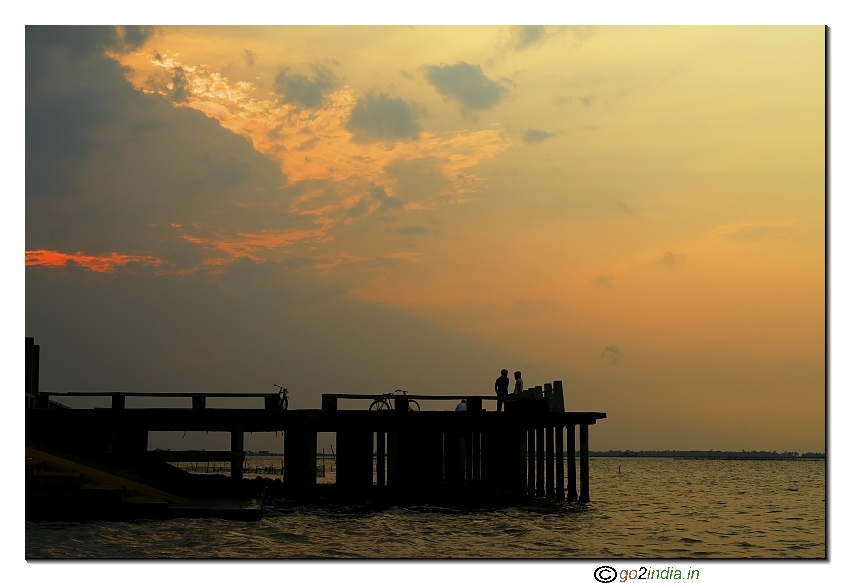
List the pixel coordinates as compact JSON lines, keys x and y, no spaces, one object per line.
{"x":654,"y":508}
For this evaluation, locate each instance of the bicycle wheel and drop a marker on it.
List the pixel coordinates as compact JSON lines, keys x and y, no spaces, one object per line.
{"x":412,"y":405}
{"x":379,"y":405}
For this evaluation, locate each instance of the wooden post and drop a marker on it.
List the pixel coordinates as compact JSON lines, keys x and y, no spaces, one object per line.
{"x":35,"y":358}
{"x":547,"y":392}
{"x":454,"y":460}
{"x":519,"y":462}
{"x":559,"y":463}
{"x":353,"y":462}
{"x":467,"y":438}
{"x":571,"y":463}
{"x":299,"y":459}
{"x":329,"y":403}
{"x":532,"y":459}
{"x":381,"y":461}
{"x":199,"y":402}
{"x":118,"y":401}
{"x":541,"y":462}
{"x":550,"y":462}
{"x":237,"y":447}
{"x":29,"y":357}
{"x":585,"y":465}
{"x":476,"y":459}
{"x":558,"y":396}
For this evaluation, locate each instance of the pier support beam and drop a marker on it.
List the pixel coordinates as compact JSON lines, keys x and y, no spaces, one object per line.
{"x":299,"y":460}
{"x":585,"y":465}
{"x":454,"y":462}
{"x":381,"y":459}
{"x":541,"y":462}
{"x":237,"y":445}
{"x":572,"y":496}
{"x":532,"y":459}
{"x":550,"y":462}
{"x":353,"y":462}
{"x":475,"y":474}
{"x":559,"y":463}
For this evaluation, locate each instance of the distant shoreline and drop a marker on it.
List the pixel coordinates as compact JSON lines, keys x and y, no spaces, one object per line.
{"x":681,"y":454}
{"x":710,"y":454}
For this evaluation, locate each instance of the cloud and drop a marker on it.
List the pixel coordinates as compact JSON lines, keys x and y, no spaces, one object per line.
{"x":563,"y":99}
{"x":386,"y":201}
{"x":305,"y":91}
{"x":626,"y":209}
{"x":528,"y":309}
{"x":611,"y":355}
{"x":103,"y":264}
{"x":117,"y":177}
{"x":410,"y":230}
{"x":534,"y":136}
{"x":606,"y":281}
{"x":757,"y":231}
{"x":466,"y":83}
{"x":521,"y":38}
{"x":669,"y":258}
{"x":84,"y":41}
{"x":249,"y":56}
{"x":418,"y":180}
{"x":381,"y":117}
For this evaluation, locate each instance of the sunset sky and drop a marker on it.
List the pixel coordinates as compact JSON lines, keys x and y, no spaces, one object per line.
{"x":638,"y":211}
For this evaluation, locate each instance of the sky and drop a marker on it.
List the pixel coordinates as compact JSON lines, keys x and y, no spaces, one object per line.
{"x":637,"y":211}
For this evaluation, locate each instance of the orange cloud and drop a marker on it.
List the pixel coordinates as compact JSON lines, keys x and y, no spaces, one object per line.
{"x":315,"y":144}
{"x":102,"y":264}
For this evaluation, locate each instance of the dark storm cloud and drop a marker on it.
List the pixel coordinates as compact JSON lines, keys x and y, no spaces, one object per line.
{"x":302,"y":90}
{"x":534,"y":136}
{"x":83,"y":41}
{"x":110,"y":169}
{"x":466,"y":83}
{"x":381,"y":117}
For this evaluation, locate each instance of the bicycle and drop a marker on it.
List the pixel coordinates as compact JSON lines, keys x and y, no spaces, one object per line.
{"x":282,"y":397}
{"x":386,"y":403}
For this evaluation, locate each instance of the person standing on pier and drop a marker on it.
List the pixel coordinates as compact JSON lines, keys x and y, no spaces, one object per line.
{"x":502,"y":384}
{"x":518,"y":382}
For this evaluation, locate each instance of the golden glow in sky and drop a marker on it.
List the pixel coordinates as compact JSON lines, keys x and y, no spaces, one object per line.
{"x":637,"y":210}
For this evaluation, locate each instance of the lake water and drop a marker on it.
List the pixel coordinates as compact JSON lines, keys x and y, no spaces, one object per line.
{"x":641,"y":508}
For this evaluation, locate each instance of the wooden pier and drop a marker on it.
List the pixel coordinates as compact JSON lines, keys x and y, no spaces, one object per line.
{"x":394,"y":455}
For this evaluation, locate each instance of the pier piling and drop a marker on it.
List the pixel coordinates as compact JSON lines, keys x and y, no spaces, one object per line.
{"x":572,"y":496}
{"x":541,"y":461}
{"x":585,"y":465}
{"x":532,"y":461}
{"x":550,"y":462}
{"x":237,"y":447}
{"x":354,"y":461}
{"x":299,"y":461}
{"x":559,"y":463}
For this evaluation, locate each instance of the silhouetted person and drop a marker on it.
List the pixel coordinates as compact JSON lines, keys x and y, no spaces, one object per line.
{"x":502,"y":384}
{"x":461,"y":406}
{"x":518,"y":383}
